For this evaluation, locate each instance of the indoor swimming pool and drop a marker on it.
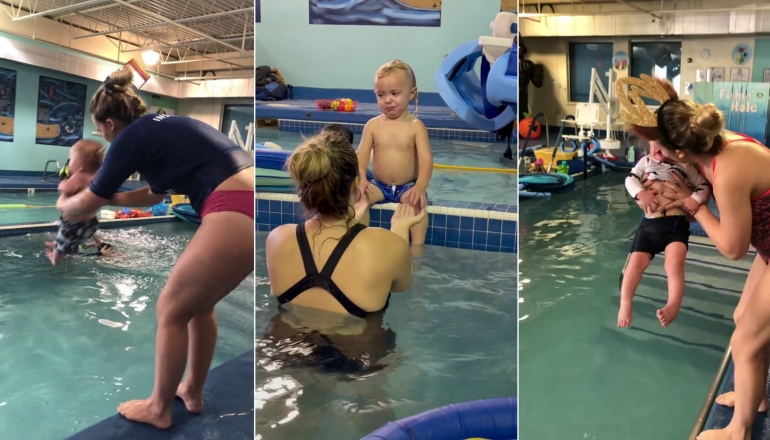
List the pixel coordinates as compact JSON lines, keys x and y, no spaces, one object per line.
{"x":41,"y":207}
{"x":458,"y":185}
{"x":79,"y":339}
{"x":455,"y":341}
{"x":601,"y":382}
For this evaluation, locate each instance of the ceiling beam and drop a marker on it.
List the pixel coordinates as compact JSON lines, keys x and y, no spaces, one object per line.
{"x":59,"y":10}
{"x":150,"y":25}
{"x":206,"y":60}
{"x":166,"y":46}
{"x":180,"y":26}
{"x":204,"y":78}
{"x":95,"y":9}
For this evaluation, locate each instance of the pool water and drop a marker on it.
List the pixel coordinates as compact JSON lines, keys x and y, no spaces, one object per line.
{"x":79,"y":339}
{"x":458,"y":185}
{"x":32,"y":215}
{"x":455,"y":342}
{"x":585,"y":378}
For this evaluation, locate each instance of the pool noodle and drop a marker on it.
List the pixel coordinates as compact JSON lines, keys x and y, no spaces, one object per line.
{"x":22,"y":206}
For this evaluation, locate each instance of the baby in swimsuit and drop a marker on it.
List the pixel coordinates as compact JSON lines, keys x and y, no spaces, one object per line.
{"x":85,"y":160}
{"x":660,"y":231}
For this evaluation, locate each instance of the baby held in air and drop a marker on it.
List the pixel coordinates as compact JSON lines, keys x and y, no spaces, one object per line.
{"x":661,"y":230}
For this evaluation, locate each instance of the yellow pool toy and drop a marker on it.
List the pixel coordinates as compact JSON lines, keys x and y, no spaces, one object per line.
{"x":486,"y":170}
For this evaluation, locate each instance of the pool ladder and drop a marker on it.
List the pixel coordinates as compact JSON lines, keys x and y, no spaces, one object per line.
{"x":45,"y":170}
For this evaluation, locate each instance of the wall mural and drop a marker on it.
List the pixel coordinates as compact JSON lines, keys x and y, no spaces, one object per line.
{"x":421,"y":13}
{"x":257,"y":12}
{"x":60,"y":112}
{"x":7,"y":103}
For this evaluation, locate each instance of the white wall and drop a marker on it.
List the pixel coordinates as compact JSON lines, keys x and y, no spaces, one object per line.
{"x":553,"y":98}
{"x":208,"y":110}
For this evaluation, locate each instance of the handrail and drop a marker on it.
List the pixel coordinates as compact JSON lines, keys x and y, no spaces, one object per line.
{"x":703,"y":415}
{"x":45,"y":170}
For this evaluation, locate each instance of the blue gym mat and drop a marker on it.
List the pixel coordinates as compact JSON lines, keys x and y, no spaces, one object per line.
{"x":432,"y":117}
{"x":228,"y":400}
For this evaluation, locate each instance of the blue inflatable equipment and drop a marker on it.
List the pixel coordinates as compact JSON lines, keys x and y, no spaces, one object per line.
{"x":543,"y":185}
{"x":493,"y":419}
{"x":477,"y":100}
{"x":186,"y":212}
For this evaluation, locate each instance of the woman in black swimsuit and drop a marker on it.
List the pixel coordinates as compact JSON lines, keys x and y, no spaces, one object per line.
{"x":332,"y":277}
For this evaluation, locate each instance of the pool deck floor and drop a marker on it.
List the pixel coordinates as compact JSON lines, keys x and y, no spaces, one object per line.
{"x":720,"y":416}
{"x":228,"y":414}
{"x":24,"y":182}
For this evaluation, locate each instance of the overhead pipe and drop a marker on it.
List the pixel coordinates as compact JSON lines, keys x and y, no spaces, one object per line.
{"x":638,"y":8}
{"x":208,"y":78}
{"x":204,"y":60}
{"x":669,"y":11}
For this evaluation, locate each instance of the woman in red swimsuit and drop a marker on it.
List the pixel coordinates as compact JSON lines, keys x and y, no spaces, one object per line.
{"x":736,"y":167}
{"x":186,"y":156}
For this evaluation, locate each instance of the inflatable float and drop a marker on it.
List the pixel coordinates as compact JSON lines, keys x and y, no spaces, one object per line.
{"x":185,"y":212}
{"x":487,"y":101}
{"x":543,"y":185}
{"x":492,"y":419}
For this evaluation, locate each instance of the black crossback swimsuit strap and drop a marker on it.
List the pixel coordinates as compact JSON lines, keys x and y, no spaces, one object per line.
{"x":323,"y":279}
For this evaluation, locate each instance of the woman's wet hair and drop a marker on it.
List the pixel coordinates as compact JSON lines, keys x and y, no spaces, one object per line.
{"x":116,"y":99}
{"x":398,"y":65}
{"x":342,"y":130}
{"x":324,"y":169}
{"x":685,"y":125}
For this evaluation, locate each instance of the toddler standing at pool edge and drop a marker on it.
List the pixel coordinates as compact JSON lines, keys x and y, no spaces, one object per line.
{"x":402,"y":159}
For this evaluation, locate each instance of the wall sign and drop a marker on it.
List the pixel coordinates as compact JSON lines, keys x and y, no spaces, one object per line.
{"x":741,"y":54}
{"x":620,"y":60}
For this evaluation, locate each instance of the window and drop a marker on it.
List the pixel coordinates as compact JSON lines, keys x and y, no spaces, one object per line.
{"x":582,"y":58}
{"x":243,"y":115}
{"x":659,"y":59}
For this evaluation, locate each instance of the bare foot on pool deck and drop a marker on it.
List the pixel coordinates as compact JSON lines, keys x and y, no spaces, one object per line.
{"x":723,"y":434}
{"x":145,"y":411}
{"x":668,"y":314}
{"x":728,"y":399}
{"x":625,"y":315}
{"x":192,"y":401}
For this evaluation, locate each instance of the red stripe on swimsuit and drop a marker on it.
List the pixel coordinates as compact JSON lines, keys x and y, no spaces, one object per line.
{"x":760,"y":211}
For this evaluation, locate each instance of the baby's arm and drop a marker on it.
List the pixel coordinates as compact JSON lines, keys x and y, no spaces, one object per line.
{"x":78,"y":182}
{"x":702,"y":190}
{"x":634,"y":179}
{"x":365,"y":150}
{"x":424,"y":156}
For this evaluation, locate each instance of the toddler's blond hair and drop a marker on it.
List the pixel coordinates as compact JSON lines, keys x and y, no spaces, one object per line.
{"x":398,"y":65}
{"x":91,"y":152}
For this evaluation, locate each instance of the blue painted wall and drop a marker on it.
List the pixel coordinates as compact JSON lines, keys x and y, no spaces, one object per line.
{"x":761,"y":59}
{"x":23,"y":156}
{"x":313,"y":57}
